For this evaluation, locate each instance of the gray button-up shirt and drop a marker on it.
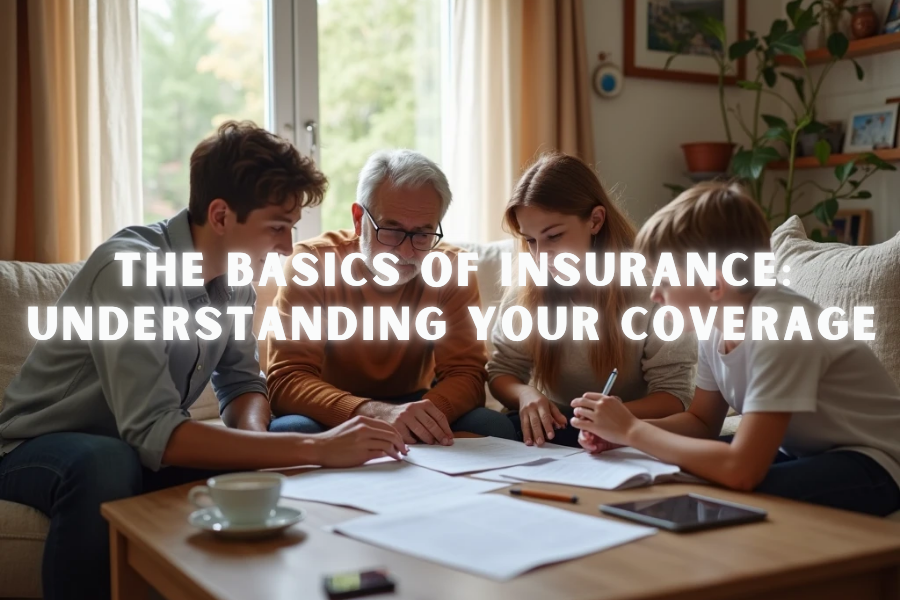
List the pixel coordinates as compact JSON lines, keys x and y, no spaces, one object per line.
{"x":139,"y":391}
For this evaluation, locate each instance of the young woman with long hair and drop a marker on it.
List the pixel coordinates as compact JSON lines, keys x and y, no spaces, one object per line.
{"x":559,"y":205}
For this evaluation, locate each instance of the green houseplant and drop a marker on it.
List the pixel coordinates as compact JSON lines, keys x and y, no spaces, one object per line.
{"x":771,"y":138}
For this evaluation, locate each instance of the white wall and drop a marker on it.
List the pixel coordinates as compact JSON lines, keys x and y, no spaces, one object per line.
{"x":841,"y":94}
{"x":638,"y":134}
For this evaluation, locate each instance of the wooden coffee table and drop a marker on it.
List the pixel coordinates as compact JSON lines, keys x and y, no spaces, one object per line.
{"x":802,"y":552}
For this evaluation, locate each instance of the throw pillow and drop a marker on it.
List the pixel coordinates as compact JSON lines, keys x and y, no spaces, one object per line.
{"x":847,"y":276}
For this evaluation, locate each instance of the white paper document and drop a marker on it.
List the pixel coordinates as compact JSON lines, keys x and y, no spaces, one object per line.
{"x":491,"y":535}
{"x":469,"y":455}
{"x":613,"y":470}
{"x":384,"y":487}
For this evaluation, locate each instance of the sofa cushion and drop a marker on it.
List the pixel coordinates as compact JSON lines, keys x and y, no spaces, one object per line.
{"x":488,"y":273}
{"x":847,"y":276}
{"x":24,"y":284}
{"x":22,"y":534}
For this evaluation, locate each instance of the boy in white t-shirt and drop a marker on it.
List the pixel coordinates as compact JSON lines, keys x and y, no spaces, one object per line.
{"x":821,"y":418}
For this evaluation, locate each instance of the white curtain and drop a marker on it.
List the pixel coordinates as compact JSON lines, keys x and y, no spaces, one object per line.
{"x":519,"y":85}
{"x":73,"y":178}
{"x":481,"y":143}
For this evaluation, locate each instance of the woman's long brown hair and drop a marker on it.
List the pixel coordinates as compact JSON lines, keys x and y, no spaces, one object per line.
{"x":565,"y":184}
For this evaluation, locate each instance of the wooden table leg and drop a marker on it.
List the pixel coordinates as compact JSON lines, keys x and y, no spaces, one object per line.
{"x":892,"y":582}
{"x":126,"y":583}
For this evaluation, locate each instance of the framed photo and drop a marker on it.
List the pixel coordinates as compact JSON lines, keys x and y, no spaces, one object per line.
{"x":852,"y":227}
{"x":897,"y":102}
{"x":654,"y":27}
{"x":872,"y":129}
{"x":892,"y":21}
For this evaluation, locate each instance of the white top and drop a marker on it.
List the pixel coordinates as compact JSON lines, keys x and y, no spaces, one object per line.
{"x":840,"y":395}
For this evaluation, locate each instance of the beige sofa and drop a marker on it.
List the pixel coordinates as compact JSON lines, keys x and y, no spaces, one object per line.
{"x":23,"y":529}
{"x":831,"y":274}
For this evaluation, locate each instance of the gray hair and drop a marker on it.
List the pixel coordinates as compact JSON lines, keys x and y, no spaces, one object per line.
{"x":403,"y":168}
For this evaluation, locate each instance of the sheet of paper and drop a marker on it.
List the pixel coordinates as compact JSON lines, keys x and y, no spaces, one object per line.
{"x":469,"y":455}
{"x":493,"y":536}
{"x":383,"y":487}
{"x":616,"y":469}
{"x":498,"y":474}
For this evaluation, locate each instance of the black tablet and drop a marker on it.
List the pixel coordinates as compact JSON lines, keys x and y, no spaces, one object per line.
{"x":685,"y":513}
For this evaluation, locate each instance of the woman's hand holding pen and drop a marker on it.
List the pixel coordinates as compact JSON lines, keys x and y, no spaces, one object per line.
{"x":589,"y":440}
{"x":604,"y":416}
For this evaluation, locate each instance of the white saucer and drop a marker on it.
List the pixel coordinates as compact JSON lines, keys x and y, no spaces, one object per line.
{"x":210,"y":519}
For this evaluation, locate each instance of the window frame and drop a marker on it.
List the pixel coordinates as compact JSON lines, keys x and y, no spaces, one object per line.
{"x":294,"y":89}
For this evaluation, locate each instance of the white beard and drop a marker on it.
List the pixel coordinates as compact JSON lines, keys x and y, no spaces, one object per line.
{"x":365,"y":246}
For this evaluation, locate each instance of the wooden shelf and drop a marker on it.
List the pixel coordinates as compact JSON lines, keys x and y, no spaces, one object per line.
{"x":811,"y":162}
{"x":865,"y":47}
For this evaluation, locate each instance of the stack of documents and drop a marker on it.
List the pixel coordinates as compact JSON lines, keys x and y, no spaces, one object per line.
{"x":493,"y":536}
{"x":383,"y":487}
{"x":424,"y":512}
{"x":613,"y":470}
{"x":470,"y":455}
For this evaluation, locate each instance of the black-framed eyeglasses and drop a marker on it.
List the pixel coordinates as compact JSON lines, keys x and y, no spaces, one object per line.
{"x":421,"y":240}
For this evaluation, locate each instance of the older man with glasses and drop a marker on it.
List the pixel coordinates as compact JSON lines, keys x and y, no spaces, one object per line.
{"x":425,"y":389}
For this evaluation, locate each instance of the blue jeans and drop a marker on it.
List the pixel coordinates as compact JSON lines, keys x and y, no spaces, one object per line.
{"x":842,"y":479}
{"x":67,"y":476}
{"x":480,"y":421}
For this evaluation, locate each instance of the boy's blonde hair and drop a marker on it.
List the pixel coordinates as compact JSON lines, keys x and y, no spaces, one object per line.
{"x":709,"y":217}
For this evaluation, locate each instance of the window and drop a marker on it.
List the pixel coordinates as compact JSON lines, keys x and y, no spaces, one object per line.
{"x":381,"y":64}
{"x":203,"y":62}
{"x":373,"y":81}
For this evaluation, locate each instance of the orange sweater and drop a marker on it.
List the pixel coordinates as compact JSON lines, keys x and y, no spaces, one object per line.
{"x":327,"y":380}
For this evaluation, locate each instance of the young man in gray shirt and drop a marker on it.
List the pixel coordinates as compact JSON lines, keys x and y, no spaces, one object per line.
{"x":90,"y":421}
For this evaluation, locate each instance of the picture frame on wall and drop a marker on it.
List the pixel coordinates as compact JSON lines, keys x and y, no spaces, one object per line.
{"x":852,"y":227}
{"x":872,"y":129}
{"x":892,"y":21}
{"x":653,"y":27}
{"x":897,"y":102}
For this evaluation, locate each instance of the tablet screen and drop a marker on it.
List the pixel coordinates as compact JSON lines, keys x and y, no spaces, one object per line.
{"x":690,"y":511}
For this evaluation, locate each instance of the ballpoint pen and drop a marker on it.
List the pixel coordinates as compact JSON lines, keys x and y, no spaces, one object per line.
{"x":610,"y":382}
{"x":544,"y":495}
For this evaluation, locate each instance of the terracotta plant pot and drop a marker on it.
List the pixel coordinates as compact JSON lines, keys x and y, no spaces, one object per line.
{"x":708,"y":157}
{"x":865,"y":22}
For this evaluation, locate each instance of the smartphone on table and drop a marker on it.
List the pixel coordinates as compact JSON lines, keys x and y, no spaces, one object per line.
{"x":355,"y":584}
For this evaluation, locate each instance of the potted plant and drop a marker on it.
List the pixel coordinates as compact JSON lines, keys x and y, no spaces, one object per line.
{"x":706,"y":159}
{"x":771,"y":138}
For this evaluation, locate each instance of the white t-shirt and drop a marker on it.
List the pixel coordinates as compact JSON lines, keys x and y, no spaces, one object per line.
{"x":839,"y":394}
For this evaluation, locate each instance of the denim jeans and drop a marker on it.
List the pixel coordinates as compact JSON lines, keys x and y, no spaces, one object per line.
{"x":67,"y":476}
{"x":480,"y":421}
{"x":841,"y":479}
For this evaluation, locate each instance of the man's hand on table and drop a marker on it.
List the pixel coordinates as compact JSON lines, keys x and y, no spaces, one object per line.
{"x":357,"y":441}
{"x":416,"y":422}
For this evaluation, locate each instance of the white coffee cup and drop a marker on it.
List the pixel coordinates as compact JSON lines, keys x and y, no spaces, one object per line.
{"x":242,"y":498}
